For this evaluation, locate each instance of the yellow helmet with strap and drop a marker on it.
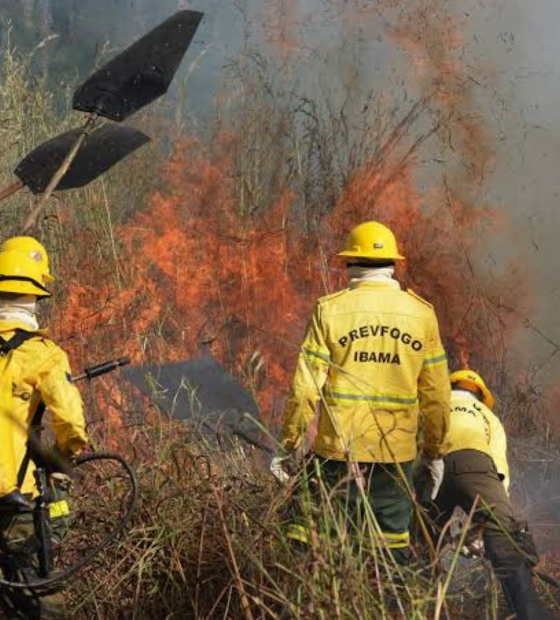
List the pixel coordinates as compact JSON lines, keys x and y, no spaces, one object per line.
{"x":34,"y":249}
{"x":472,"y":380}
{"x":21,"y":275}
{"x":371,"y":241}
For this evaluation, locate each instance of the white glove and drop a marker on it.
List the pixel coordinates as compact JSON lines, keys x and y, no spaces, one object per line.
{"x":277,"y":469}
{"x":434,"y":470}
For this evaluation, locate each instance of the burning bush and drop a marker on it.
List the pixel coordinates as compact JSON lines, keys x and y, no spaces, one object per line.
{"x":230,"y":253}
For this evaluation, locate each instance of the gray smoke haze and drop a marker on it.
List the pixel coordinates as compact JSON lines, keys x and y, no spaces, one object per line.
{"x":518,"y":42}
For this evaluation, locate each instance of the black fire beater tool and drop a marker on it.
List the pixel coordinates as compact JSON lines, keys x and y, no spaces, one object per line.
{"x":134,"y":78}
{"x":102,"y":149}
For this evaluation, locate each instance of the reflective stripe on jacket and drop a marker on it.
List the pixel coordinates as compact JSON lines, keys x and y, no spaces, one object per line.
{"x":373,"y":356}
{"x":472,"y":426}
{"x":39,"y":371}
{"x":390,"y":540}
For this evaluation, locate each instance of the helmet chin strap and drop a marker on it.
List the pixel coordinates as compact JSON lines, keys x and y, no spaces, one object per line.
{"x":370,"y":264}
{"x":13,"y":278}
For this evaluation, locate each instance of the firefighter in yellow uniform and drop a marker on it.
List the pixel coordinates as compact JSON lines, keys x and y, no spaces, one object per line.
{"x":32,"y":369}
{"x":373,"y":358}
{"x":476,"y":469}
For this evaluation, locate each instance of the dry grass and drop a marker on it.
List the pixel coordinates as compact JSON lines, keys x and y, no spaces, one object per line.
{"x":208,"y":542}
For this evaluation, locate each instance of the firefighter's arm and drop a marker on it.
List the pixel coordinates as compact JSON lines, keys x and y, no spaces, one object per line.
{"x":498,"y":449}
{"x":434,"y":393}
{"x":64,"y":401}
{"x":310,"y":376}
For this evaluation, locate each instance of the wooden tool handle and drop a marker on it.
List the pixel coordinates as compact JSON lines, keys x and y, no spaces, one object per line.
{"x":31,"y":220}
{"x":11,"y":189}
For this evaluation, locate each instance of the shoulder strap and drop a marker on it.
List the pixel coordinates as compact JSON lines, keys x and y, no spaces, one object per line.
{"x":33,"y":432}
{"x":21,"y":336}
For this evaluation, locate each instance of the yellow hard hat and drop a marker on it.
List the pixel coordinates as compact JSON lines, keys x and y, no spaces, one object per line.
{"x":470,"y":379}
{"x":372,"y":241}
{"x":21,"y":275}
{"x":34,"y":249}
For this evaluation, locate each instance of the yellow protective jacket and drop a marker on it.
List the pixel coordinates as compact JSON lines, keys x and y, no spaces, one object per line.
{"x":37,"y":370}
{"x":373,"y":356}
{"x":472,"y":426}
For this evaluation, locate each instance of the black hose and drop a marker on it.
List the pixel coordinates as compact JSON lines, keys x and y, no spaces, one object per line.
{"x":41,"y":584}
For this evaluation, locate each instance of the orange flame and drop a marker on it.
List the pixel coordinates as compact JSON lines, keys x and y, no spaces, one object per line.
{"x":201,"y":274}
